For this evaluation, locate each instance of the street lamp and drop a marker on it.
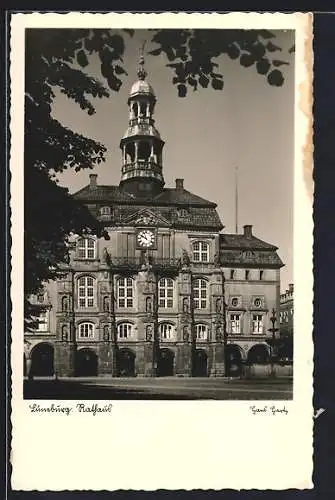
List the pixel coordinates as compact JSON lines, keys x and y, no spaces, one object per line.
{"x":273,"y":330}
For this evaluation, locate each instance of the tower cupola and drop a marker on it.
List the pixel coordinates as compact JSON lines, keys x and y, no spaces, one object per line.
{"x":142,"y":145}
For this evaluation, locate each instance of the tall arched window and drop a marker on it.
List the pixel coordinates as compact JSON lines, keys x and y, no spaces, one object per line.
{"x":200,"y":251}
{"x":125,"y":292}
{"x":165,"y":292}
{"x":201,"y":331}
{"x":86,"y":330}
{"x":200,"y":293}
{"x":124,"y":330}
{"x":86,"y":248}
{"x":165,"y":331}
{"x":86,"y":286}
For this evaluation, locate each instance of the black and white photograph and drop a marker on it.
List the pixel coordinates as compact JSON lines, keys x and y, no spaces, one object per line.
{"x":158,"y":211}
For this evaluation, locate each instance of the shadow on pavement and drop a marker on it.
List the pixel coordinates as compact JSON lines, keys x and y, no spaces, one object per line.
{"x":58,"y":389}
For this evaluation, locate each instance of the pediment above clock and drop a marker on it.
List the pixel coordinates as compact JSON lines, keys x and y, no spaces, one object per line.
{"x":145,"y":217}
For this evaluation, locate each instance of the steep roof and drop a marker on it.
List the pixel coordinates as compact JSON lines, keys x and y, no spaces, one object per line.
{"x":231,"y":241}
{"x":168,"y":196}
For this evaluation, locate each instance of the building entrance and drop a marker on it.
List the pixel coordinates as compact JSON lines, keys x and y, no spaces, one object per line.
{"x":126,"y":363}
{"x":86,"y":363}
{"x":165,"y":363}
{"x":42,"y":360}
{"x":200,"y":363}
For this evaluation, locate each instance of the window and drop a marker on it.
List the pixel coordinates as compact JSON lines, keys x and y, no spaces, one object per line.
{"x":232,"y":274}
{"x":86,"y":292}
{"x":125,"y":292}
{"x":261,"y":275}
{"x":200,"y":251}
{"x":280,"y":317}
{"x":235,"y":323}
{"x":105,"y":211}
{"x":124,"y":330}
{"x":247,"y":274}
{"x":183,"y":212}
{"x":201,"y":332}
{"x":165,"y":293}
{"x":165,"y":331}
{"x":257,"y":323}
{"x":86,"y":248}
{"x":86,"y":331}
{"x":257,"y":302}
{"x":40,"y":297}
{"x":234,"y":302}
{"x":42,"y":322}
{"x":200,"y":293}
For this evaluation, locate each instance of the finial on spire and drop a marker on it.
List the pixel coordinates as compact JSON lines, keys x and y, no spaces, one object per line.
{"x":141,"y":73}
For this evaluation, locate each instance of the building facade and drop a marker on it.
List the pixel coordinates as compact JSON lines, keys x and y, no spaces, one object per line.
{"x":169,"y":293}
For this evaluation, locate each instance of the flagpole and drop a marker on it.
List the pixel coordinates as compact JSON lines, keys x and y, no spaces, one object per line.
{"x":236,"y":200}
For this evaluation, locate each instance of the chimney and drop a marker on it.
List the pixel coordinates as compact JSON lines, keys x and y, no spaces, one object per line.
{"x":247,"y":231}
{"x":290,"y":287}
{"x":179,"y":184}
{"x":93,"y":181}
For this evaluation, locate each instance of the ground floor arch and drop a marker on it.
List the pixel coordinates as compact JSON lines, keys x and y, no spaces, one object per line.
{"x":42,"y":360}
{"x":200,"y":363}
{"x":86,"y":363}
{"x":233,"y":360}
{"x":126,"y":362}
{"x":259,"y":354}
{"x":165,"y":363}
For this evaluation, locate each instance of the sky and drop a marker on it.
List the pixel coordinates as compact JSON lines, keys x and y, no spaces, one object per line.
{"x":249,"y":125}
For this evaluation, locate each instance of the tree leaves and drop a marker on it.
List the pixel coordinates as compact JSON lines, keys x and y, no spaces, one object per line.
{"x":82,"y":58}
{"x":275,"y":78}
{"x":192,"y":54}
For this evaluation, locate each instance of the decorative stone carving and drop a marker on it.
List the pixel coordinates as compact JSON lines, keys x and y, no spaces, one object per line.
{"x":186,"y":262}
{"x":186,"y":305}
{"x":148,"y":333}
{"x":218,"y":333}
{"x":185,"y":334}
{"x":148,"y":304}
{"x":218,"y":305}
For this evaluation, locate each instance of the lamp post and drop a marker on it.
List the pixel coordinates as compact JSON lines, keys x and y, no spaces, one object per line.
{"x":273,"y":330}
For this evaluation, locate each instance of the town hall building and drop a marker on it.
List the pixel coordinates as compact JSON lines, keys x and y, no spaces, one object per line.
{"x":170,"y":293}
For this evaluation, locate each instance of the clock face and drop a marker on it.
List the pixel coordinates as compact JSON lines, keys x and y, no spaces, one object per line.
{"x":146,"y":238}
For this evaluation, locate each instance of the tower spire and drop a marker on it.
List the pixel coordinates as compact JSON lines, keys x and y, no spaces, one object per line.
{"x":141,"y":145}
{"x":141,"y":73}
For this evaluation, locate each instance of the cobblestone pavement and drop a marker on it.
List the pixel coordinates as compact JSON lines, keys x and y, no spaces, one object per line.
{"x":159,"y":388}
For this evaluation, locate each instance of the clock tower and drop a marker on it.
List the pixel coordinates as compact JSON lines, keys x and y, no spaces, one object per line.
{"x":141,"y":145}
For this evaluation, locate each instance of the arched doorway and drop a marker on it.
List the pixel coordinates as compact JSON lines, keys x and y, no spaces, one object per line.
{"x":126,"y":363}
{"x":42,"y":360}
{"x":86,"y":363}
{"x":200,"y":363}
{"x":233,"y":360}
{"x":165,"y":363}
{"x":258,"y":355}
